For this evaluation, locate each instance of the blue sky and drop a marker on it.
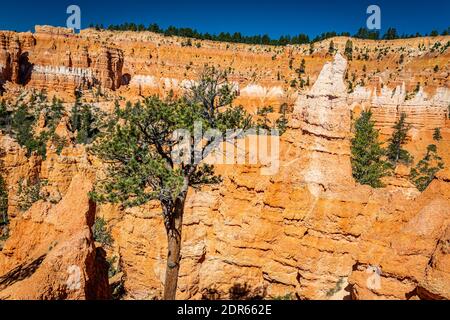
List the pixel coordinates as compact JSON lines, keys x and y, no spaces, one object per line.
{"x":274,"y":17}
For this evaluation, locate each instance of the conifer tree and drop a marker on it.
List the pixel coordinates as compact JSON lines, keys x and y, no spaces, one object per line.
{"x":85,"y":122}
{"x":368,"y":166}
{"x":425,"y":171}
{"x":437,"y":136}
{"x":395,"y":153}
{"x":138,"y":151}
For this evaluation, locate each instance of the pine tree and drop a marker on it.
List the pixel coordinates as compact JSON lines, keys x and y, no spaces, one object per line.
{"x":140,"y":163}
{"x":85,"y":122}
{"x":437,"y":136}
{"x":23,"y":121}
{"x":391,"y":34}
{"x":5,"y":117}
{"x":395,"y":153}
{"x":425,"y":171}
{"x":368,"y":166}
{"x":263,"y":122}
{"x":21,"y":117}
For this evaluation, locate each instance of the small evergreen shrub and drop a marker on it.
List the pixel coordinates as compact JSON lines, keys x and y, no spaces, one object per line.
{"x":29,"y":192}
{"x":101,"y":232}
{"x":437,"y":136}
{"x":85,"y":122}
{"x":425,"y":171}
{"x":337,"y":288}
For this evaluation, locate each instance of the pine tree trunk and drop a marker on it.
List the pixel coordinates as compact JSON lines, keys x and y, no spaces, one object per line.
{"x":174,"y":250}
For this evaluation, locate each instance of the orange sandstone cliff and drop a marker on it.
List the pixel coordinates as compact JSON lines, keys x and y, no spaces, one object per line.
{"x":308,"y":231}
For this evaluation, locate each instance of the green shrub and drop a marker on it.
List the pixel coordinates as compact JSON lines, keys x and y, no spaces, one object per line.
{"x":437,"y":136}
{"x":281,"y":124}
{"x":425,"y":171}
{"x":112,"y":269}
{"x":101,"y":232}
{"x":19,"y":121}
{"x":59,"y":143}
{"x":337,"y":288}
{"x":30,"y":192}
{"x":85,"y":121}
{"x":4,"y":220}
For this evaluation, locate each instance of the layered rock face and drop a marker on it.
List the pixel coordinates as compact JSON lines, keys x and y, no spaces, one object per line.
{"x":51,"y":253}
{"x":147,"y":63}
{"x":308,"y":231}
{"x":54,"y":59}
{"x":10,"y":52}
{"x":424,"y":111}
{"x":406,"y":256}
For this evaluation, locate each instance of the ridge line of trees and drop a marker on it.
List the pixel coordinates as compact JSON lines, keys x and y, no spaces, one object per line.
{"x":237,"y":37}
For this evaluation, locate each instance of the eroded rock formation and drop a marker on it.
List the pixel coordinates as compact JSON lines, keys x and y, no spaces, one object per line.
{"x":308,"y":231}
{"x":52,"y":59}
{"x":51,"y":252}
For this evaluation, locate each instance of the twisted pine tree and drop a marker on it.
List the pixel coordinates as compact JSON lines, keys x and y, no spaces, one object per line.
{"x":138,"y":153}
{"x":368,"y":166}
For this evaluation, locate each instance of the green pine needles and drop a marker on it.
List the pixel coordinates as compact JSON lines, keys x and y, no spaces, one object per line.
{"x":138,"y":151}
{"x":395,"y":153}
{"x":367,"y":155}
{"x":425,"y":170}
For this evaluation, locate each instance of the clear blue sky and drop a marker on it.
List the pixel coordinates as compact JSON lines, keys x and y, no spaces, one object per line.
{"x":274,"y":17}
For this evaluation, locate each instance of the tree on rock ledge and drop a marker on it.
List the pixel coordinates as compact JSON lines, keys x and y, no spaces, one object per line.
{"x":395,"y":152}
{"x":368,"y":165}
{"x":139,"y":154}
{"x":427,"y":168}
